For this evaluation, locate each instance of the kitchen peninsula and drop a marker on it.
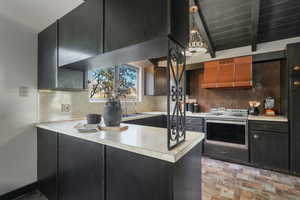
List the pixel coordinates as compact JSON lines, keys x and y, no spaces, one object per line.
{"x":132,"y":164}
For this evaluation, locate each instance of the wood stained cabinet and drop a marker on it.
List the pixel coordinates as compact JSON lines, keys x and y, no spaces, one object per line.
{"x":80,"y":33}
{"x":81,"y":169}
{"x":155,"y":81}
{"x":243,"y":72}
{"x":228,"y":73}
{"x":211,"y":73}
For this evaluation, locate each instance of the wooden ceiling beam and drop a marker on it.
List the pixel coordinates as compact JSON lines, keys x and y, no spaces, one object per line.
{"x":199,"y":19}
{"x":255,"y":8}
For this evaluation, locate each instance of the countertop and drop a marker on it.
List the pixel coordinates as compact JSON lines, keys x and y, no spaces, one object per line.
{"x":277,"y":118}
{"x":144,"y":140}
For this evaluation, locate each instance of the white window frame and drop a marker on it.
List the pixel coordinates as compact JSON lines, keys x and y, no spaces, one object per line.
{"x":139,"y":85}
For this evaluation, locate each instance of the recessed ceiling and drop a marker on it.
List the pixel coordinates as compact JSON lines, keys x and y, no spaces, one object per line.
{"x":36,"y":14}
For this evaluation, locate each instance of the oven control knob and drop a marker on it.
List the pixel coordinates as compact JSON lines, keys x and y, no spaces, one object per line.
{"x":255,"y":136}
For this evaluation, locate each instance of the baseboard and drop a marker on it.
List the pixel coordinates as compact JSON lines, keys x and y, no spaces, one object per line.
{"x":18,"y":192}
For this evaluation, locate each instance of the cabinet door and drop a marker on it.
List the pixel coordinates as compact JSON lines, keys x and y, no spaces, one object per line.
{"x":155,"y":81}
{"x":81,"y":169}
{"x":294,"y":113}
{"x":243,"y":71}
{"x":269,"y":150}
{"x":210,"y":76}
{"x":131,"y":22}
{"x":47,"y":58}
{"x":293,"y":57}
{"x":161,"y":81}
{"x":226,"y":75}
{"x":80,"y":32}
{"x":47,"y":163}
{"x":136,"y":177}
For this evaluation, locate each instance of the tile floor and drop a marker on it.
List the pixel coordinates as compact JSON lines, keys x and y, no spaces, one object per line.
{"x":227,"y":181}
{"x":224,"y":181}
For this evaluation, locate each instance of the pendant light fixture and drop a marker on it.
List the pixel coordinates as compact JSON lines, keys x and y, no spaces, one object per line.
{"x":196,"y":43}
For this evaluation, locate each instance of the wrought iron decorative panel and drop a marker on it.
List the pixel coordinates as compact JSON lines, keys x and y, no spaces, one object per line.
{"x":176,"y":94}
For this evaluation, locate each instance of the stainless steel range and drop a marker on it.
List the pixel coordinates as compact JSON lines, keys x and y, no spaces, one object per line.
{"x":227,"y":127}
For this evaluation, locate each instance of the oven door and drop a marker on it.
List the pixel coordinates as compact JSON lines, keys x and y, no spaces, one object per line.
{"x":230,"y":133}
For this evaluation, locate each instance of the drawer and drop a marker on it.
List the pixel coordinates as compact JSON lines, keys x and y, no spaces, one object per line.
{"x":195,"y":128}
{"x":226,"y":153}
{"x":195,"y":120}
{"x":269,"y":126}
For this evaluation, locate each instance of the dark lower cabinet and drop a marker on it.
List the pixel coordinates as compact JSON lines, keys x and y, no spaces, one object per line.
{"x":269,"y":149}
{"x":47,"y":161}
{"x":155,"y":121}
{"x":192,"y":123}
{"x":295,"y":125}
{"x":81,"y":169}
{"x":195,"y":124}
{"x":70,"y":168}
{"x":135,"y":177}
{"x":293,"y":61}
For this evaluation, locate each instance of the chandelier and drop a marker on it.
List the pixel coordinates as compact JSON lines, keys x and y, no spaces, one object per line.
{"x":196,"y":42}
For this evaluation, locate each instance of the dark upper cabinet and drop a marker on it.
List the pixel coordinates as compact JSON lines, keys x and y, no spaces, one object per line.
{"x":269,"y":145}
{"x":81,"y":169}
{"x":129,"y":22}
{"x":293,"y":61}
{"x":47,"y":57}
{"x":81,"y":32}
{"x":156,"y":81}
{"x":49,"y":75}
{"x":47,"y":161}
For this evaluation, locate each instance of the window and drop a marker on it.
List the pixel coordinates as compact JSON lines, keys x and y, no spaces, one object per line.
{"x":122,"y":80}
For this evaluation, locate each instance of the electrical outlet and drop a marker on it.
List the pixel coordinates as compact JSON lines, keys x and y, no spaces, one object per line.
{"x":65,"y":108}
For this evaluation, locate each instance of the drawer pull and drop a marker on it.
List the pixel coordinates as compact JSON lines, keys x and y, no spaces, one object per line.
{"x":256,"y":136}
{"x":297,"y":68}
{"x":267,"y":126}
{"x":296,"y":83}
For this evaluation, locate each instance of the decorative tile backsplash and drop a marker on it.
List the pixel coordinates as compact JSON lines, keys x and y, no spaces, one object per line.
{"x":50,"y":105}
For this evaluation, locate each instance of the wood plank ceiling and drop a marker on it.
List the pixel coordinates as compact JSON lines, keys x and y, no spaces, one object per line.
{"x":230,"y":22}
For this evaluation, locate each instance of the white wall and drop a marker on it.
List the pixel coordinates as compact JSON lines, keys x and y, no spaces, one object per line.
{"x":18,"y":67}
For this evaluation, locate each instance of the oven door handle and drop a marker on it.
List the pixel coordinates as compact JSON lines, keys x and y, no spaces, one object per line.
{"x":226,"y":122}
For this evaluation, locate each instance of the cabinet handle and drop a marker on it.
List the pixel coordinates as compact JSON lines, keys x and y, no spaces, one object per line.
{"x":268,"y":126}
{"x":256,"y":136}
{"x":297,"y":68}
{"x":296,"y":83}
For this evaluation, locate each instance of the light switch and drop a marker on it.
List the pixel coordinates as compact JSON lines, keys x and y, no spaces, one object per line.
{"x":23,"y":91}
